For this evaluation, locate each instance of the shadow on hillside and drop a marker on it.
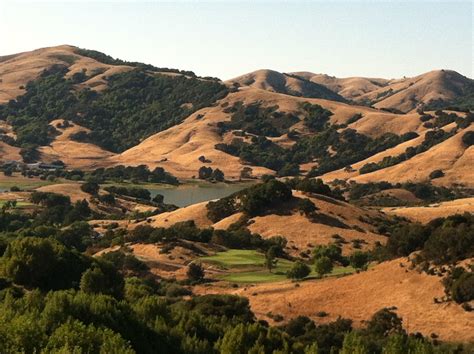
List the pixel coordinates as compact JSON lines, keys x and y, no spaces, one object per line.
{"x":325,"y":219}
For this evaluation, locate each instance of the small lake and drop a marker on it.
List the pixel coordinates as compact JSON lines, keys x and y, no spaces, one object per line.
{"x":191,"y":194}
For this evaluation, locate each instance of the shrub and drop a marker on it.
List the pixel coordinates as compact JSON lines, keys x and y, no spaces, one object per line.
{"x":436,"y":174}
{"x":90,"y":187}
{"x":298,"y":271}
{"x":384,"y":323}
{"x":195,"y":272}
{"x":42,"y":263}
{"x":255,"y":199}
{"x":205,"y":172}
{"x":159,"y":198}
{"x":359,"y":260}
{"x":306,"y":206}
{"x":462,"y":289}
{"x":323,"y":265}
{"x":140,"y":193}
{"x":468,"y":138}
{"x":217,"y":175}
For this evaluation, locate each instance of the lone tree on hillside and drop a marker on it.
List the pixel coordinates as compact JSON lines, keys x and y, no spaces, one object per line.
{"x":195,"y":272}
{"x":299,"y":271}
{"x":468,"y":138}
{"x":270,"y":258}
{"x":90,"y":187}
{"x":218,"y":175}
{"x":359,"y":260}
{"x":323,"y":265}
{"x":205,"y":172}
{"x":306,"y":206}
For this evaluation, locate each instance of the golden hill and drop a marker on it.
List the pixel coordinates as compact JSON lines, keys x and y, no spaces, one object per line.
{"x":178,"y":148}
{"x":332,"y":218}
{"x":404,"y":94}
{"x":289,"y":84}
{"x":350,"y":88}
{"x":18,"y":69}
{"x":425,"y":214}
{"x":451,"y":156}
{"x":72,"y":153}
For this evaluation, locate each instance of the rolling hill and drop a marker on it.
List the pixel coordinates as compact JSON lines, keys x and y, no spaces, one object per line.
{"x":289,"y":84}
{"x":131,"y":113}
{"x":403,"y":95}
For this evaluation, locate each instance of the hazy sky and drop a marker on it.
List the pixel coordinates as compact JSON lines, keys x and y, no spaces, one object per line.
{"x":229,"y":38}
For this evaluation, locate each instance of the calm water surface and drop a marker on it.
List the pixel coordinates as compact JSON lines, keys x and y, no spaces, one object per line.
{"x":191,"y":194}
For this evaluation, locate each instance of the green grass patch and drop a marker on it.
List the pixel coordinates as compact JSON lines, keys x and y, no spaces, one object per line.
{"x":247,"y":266}
{"x":24,"y":183}
{"x":19,"y":204}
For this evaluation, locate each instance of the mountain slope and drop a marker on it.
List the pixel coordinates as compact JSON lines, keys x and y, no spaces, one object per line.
{"x":178,"y":149}
{"x":404,"y":94}
{"x":285,"y":83}
{"x":350,"y":88}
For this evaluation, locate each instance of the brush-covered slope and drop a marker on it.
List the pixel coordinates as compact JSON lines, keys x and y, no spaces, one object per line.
{"x":452,"y":156}
{"x":353,"y":225}
{"x":121,"y":103}
{"x":404,"y":94}
{"x":18,"y":69}
{"x":289,"y":84}
{"x":178,"y":148}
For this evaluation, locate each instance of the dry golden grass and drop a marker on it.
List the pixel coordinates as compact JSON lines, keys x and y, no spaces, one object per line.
{"x":438,"y":84}
{"x":450,"y":156}
{"x":398,"y":193}
{"x":333,"y":217}
{"x":359,"y":296}
{"x":74,"y":154}
{"x":9,"y":153}
{"x":427,"y":213}
{"x":173,"y":263}
{"x":196,"y":212}
{"x":72,"y":190}
{"x":395,"y":151}
{"x":272,"y":81}
{"x":178,"y":149}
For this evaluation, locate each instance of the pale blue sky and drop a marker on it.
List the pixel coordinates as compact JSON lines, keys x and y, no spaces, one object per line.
{"x":229,"y":38}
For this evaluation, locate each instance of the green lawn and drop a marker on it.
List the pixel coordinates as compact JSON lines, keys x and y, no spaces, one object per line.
{"x":24,"y":183}
{"x":247,"y":266}
{"x":18,"y":204}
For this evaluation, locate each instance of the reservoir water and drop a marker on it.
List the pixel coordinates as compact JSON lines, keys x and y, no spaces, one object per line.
{"x":191,"y":194}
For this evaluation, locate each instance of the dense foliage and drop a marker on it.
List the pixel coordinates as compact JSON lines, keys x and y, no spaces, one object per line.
{"x":441,"y":241}
{"x":427,"y":192}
